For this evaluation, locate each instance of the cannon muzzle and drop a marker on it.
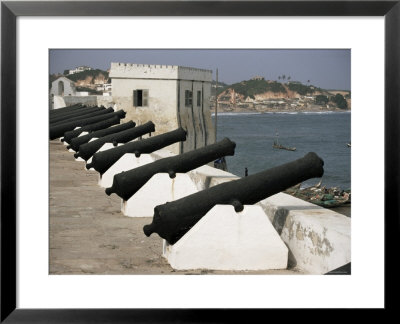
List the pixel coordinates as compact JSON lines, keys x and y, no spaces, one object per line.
{"x":126,"y":184}
{"x":173,"y":219}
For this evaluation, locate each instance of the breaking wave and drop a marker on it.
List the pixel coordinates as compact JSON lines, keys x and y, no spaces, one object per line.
{"x":236,"y":113}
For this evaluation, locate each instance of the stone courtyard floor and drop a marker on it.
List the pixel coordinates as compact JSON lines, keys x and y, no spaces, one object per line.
{"x":90,"y":235}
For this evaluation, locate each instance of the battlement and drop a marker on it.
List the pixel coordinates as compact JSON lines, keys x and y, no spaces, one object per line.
{"x":156,"y":71}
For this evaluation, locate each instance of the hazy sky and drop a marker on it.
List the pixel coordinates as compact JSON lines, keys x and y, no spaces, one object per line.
{"x":329,"y":69}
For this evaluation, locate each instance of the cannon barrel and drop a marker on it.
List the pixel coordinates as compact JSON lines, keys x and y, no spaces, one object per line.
{"x":78,"y":141}
{"x":88,"y":149}
{"x":54,"y":112}
{"x":72,"y":112}
{"x":126,"y":184}
{"x":79,"y":114}
{"x":102,"y":161}
{"x":59,"y":130}
{"x":68,"y":136}
{"x":173,"y":219}
{"x":87,"y":115}
{"x":69,"y":112}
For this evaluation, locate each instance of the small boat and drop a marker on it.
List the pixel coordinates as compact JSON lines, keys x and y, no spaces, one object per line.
{"x":278,"y":146}
{"x":281,"y":147}
{"x":348,"y":144}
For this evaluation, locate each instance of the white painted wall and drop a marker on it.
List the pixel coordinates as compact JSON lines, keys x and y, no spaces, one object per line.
{"x":166,"y":103}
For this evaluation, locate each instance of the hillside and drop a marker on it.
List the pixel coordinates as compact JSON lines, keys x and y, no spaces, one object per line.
{"x":86,"y":79}
{"x":266,"y":89}
{"x":260,"y":94}
{"x":89,"y":78}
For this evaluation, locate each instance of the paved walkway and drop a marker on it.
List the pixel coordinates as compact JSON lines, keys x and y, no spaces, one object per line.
{"x":89,"y":234}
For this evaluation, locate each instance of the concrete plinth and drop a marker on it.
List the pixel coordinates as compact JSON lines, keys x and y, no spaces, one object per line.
{"x":319,"y":239}
{"x":157,"y":191}
{"x":226,"y":240}
{"x":127,"y":162}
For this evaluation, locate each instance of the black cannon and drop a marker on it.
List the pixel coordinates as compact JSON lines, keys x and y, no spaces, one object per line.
{"x":173,"y":219}
{"x":88,"y":149}
{"x":59,"y":130}
{"x":78,"y":114}
{"x":102,"y":161}
{"x":78,"y":141}
{"x":87,"y":115}
{"x":68,"y":136}
{"x":54,"y":112}
{"x":126,"y":184}
{"x":69,"y":112}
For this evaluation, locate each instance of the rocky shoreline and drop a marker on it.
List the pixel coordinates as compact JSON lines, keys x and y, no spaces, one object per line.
{"x":271,"y":110}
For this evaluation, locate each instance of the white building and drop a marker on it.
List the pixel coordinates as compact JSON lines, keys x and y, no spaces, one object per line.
{"x":62,"y":87}
{"x":170,"y":96}
{"x":104,"y":87}
{"x":80,"y":69}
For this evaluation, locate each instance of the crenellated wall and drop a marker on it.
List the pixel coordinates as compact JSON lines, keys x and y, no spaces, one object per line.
{"x":166,"y":86}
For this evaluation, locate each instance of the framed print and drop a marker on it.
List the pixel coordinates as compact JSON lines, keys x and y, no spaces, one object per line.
{"x":34,"y":287}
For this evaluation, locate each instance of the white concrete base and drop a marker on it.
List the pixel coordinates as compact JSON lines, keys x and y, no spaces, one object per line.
{"x":226,"y":240}
{"x":157,"y":191}
{"x":83,"y":134}
{"x":319,"y":239}
{"x":105,"y":147}
{"x":127,"y":162}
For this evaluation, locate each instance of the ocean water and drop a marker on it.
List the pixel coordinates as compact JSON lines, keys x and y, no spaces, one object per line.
{"x":326,"y":134}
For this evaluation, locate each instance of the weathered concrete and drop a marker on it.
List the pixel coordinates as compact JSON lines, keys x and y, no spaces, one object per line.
{"x":226,"y":240}
{"x":159,"y":190}
{"x":88,"y":233}
{"x":127,"y":162}
{"x":319,"y":239}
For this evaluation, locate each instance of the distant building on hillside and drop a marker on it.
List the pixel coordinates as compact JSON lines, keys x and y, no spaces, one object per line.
{"x":106,"y":87}
{"x":171,"y":96}
{"x":257,"y":77}
{"x":80,"y":69}
{"x":62,"y":87}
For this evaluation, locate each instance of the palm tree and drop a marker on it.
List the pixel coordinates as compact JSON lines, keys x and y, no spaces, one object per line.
{"x":279,"y":77}
{"x":283,"y":77}
{"x":288,"y":78}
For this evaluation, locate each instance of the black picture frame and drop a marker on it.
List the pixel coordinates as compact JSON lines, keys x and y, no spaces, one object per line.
{"x":10,"y":10}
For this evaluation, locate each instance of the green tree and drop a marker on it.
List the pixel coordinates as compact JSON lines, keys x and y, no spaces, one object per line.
{"x":321,"y":100}
{"x":66,"y":72}
{"x":340,"y":101}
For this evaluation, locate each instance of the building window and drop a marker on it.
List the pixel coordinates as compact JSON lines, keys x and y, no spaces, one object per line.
{"x":140,"y":98}
{"x":188,"y":98}
{"x":198,"y":98}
